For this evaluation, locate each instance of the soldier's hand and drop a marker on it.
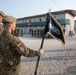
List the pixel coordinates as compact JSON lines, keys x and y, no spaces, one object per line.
{"x":41,"y":51}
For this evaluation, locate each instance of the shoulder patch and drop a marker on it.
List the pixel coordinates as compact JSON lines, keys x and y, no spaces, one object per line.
{"x":19,"y":44}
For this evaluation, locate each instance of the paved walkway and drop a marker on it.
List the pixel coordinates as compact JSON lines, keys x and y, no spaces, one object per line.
{"x":56,"y":60}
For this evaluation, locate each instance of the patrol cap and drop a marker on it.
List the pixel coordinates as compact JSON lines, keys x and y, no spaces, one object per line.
{"x":2,"y":13}
{"x":8,"y":19}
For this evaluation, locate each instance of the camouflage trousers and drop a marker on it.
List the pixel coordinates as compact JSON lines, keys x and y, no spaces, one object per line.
{"x":5,"y":69}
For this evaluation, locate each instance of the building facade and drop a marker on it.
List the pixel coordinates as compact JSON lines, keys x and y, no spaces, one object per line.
{"x":65,"y":18}
{"x":75,"y":26}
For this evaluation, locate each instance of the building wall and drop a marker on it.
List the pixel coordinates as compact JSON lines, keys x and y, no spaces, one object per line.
{"x":75,"y":26}
{"x":71,"y":26}
{"x":26,"y":29}
{"x":32,"y":20}
{"x":71,"y":21}
{"x":68,"y":27}
{"x":59,"y":16}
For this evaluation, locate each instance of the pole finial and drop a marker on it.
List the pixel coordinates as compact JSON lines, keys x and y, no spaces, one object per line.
{"x":49,"y":11}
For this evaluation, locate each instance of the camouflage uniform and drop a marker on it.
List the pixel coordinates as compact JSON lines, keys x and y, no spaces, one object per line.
{"x":11,"y":49}
{"x":16,"y":32}
{"x":21,"y":32}
{"x":1,"y":28}
{"x":1,"y":15}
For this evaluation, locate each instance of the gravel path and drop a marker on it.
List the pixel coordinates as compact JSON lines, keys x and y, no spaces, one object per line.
{"x":56,"y":60}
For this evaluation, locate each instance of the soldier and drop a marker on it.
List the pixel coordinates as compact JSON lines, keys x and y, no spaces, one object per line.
{"x":32,"y":32}
{"x":41,"y":32}
{"x":37,"y":32}
{"x":1,"y":16}
{"x":15,"y":32}
{"x":12,"y":48}
{"x":21,"y":32}
{"x":1,"y":28}
{"x":1,"y":25}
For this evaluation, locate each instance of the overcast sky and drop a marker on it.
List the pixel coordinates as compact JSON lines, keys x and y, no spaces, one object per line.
{"x":25,"y":8}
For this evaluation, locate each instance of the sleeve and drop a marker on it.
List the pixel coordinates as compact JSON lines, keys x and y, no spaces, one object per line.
{"x":22,"y":49}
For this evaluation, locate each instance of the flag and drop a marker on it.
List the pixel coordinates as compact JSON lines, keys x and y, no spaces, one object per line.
{"x":54,"y":28}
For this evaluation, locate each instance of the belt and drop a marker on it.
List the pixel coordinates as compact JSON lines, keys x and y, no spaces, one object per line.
{"x":1,"y":60}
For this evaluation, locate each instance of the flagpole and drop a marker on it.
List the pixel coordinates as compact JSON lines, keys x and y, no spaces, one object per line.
{"x":39,"y":56}
{"x":55,"y":35}
{"x":35,"y":73}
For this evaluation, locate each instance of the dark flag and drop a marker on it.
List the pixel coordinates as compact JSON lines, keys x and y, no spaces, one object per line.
{"x":54,"y":28}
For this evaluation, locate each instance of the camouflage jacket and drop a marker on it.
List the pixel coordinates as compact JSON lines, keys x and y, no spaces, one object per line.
{"x":1,"y":27}
{"x":12,"y":48}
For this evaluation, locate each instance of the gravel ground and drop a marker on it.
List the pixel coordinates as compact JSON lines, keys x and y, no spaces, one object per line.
{"x":56,"y":60}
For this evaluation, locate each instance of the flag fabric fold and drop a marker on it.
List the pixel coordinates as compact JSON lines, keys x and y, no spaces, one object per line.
{"x":54,"y":28}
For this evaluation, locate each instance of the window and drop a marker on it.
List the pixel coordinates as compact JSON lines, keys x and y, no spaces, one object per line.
{"x":40,"y":20}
